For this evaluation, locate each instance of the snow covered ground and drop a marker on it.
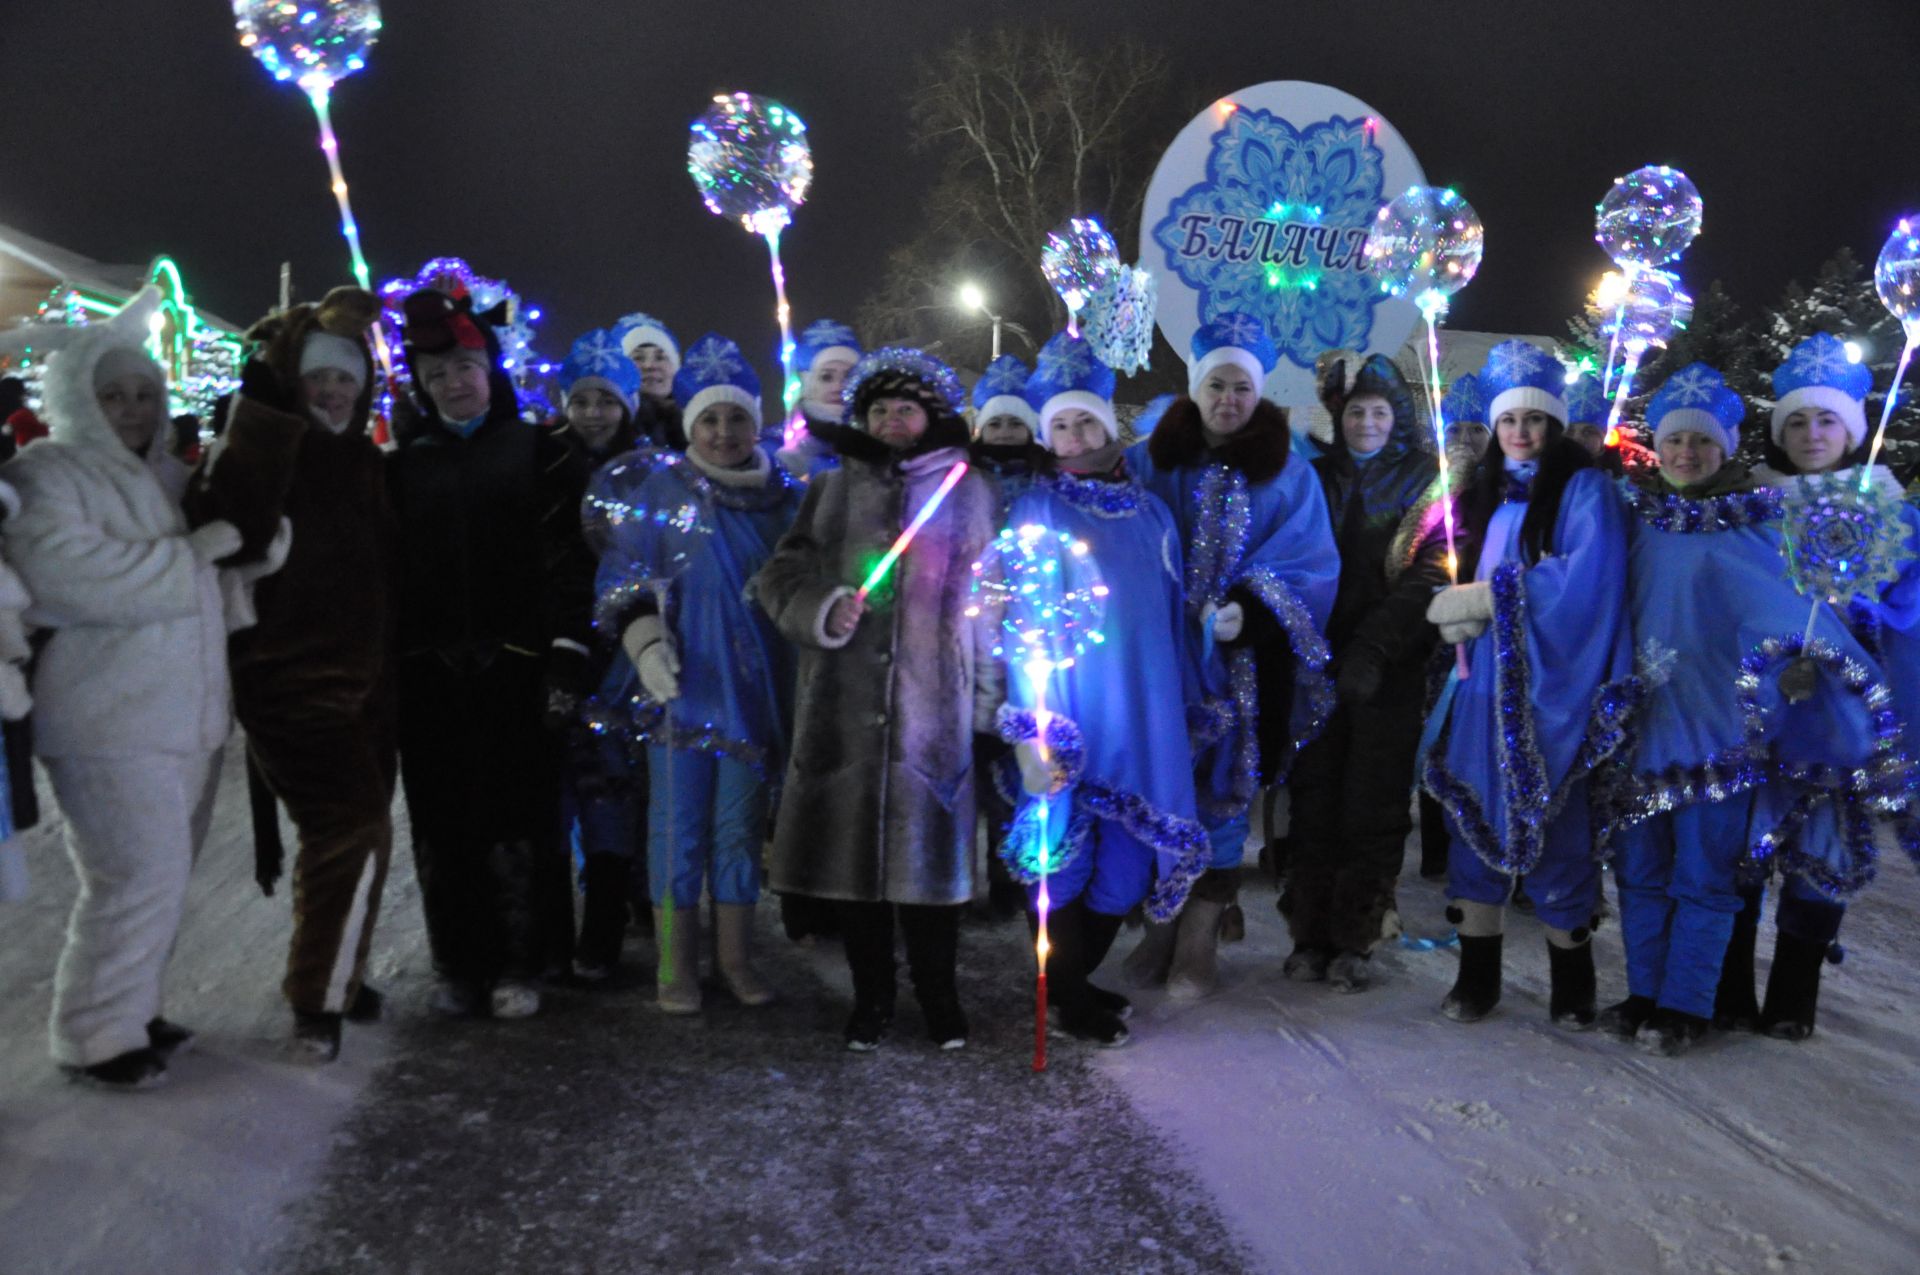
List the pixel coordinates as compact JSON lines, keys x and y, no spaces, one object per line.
{"x":1330,"y":1133}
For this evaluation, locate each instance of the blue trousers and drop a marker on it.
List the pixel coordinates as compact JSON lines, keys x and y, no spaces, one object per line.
{"x":1678,"y":898}
{"x":1229,"y":841}
{"x":1114,"y":870}
{"x":1564,"y":885}
{"x":720,"y":808}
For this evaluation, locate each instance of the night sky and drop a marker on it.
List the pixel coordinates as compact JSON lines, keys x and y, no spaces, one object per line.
{"x":545,"y":142}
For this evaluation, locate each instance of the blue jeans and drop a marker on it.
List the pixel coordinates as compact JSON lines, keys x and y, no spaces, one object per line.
{"x":720,"y":809}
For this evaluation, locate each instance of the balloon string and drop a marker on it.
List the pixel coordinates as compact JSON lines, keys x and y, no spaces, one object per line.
{"x":1433,"y":310}
{"x":1886,"y":409}
{"x":789,"y":384}
{"x":320,"y":94}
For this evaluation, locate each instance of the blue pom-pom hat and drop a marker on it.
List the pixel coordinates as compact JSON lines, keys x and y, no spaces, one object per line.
{"x":1818,"y":373}
{"x":1697,"y":398}
{"x":1520,"y":376}
{"x":715,"y":372}
{"x":1464,"y":403}
{"x":596,"y":361}
{"x":637,"y":329}
{"x":1586,"y":404}
{"x":1002,"y":391}
{"x":1067,"y":377}
{"x":1239,"y":339}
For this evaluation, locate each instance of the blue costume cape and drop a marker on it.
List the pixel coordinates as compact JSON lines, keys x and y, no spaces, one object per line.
{"x":736,"y":671}
{"x":1551,"y":683}
{"x":1715,"y":620}
{"x":1119,"y":724}
{"x":1272,"y":539}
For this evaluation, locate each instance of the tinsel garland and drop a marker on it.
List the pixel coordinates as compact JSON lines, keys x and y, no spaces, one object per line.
{"x":1100,"y":498}
{"x":1684,"y":515}
{"x":642,"y":720}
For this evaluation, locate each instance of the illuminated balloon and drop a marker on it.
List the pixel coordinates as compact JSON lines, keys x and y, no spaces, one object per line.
{"x":1648,"y":217}
{"x":312,"y":43}
{"x":1425,"y":245}
{"x":1078,"y":257}
{"x":1896,"y":275}
{"x":652,"y":508}
{"x":1653,"y":308}
{"x":749,"y":158}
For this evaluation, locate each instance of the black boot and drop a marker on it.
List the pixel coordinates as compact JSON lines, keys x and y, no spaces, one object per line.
{"x":135,"y":1069}
{"x":1571,"y":994}
{"x":1433,"y":839}
{"x":868,"y":928}
{"x":1627,"y":1017}
{"x":1670,"y":1033}
{"x":1477,"y":989}
{"x":167,"y":1039}
{"x":1793,"y":988}
{"x":932,"y":935}
{"x":1735,"y":1008}
{"x":316,"y":1037}
{"x":603,"y":921}
{"x":1070,"y":940}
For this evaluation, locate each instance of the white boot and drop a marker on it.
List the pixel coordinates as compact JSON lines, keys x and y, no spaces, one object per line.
{"x":1196,"y":946}
{"x":735,"y":952}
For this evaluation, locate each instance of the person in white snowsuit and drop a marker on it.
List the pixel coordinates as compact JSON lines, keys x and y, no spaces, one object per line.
{"x":131,"y":687}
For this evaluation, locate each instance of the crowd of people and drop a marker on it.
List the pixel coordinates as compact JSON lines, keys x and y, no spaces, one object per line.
{"x":636,"y":660}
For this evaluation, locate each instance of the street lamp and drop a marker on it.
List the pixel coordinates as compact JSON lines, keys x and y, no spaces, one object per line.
{"x":974,"y":301}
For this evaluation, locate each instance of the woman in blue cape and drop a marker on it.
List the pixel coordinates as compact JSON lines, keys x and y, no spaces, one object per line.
{"x":1742,"y":703}
{"x":1261,"y":571}
{"x":1550,"y":653}
{"x":1123,"y":829}
{"x":710,"y":678}
{"x":1818,"y":436}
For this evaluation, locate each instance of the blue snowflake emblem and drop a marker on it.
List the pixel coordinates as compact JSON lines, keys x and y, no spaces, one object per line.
{"x":1240,"y":330}
{"x":1692,"y":387}
{"x":1063,"y":362}
{"x":714,"y":360}
{"x":1006,"y":377}
{"x":1515,"y":362}
{"x":598,"y":352}
{"x":1276,"y":230}
{"x":824,"y":333}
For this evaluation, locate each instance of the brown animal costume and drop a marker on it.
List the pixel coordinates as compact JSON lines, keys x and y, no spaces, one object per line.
{"x":313,"y":680}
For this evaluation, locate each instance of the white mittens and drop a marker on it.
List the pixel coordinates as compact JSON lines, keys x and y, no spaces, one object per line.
{"x":650,"y":647}
{"x":1037,"y":775}
{"x":1226,"y":620}
{"x":1462,"y":611}
{"x":217,"y":540}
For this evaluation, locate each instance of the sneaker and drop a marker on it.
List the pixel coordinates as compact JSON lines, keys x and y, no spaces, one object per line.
{"x":1625,"y":1018}
{"x":1091,"y":1022}
{"x":946,"y":1024}
{"x":167,"y":1039}
{"x":1349,"y":972}
{"x":866,"y":1028}
{"x":1305,"y":965}
{"x":366,"y":1006}
{"x":515,"y":1000}
{"x":454,"y":999}
{"x":135,"y":1069}
{"x":316,"y":1037}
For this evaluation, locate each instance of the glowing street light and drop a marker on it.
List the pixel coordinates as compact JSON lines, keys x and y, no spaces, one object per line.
{"x":974,"y":301}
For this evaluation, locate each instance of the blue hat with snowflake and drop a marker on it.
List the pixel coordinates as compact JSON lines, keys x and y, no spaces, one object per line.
{"x":715,"y":372}
{"x":637,"y":329}
{"x":1819,"y":374}
{"x":1464,"y":403}
{"x":596,"y":361}
{"x":1002,"y":391}
{"x":821,"y":338}
{"x":1067,"y":377}
{"x":1520,"y":376}
{"x":1586,"y":404}
{"x":1697,"y":398}
{"x":1239,"y":339}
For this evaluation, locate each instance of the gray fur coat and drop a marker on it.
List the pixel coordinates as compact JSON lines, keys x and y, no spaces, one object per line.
{"x":878,"y":804}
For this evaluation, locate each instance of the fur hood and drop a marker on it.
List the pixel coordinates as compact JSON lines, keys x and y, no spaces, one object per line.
{"x":278,"y":339}
{"x":73,"y":410}
{"x":1260,"y":450}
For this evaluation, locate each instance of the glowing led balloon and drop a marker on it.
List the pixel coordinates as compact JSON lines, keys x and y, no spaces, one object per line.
{"x":654,"y":506}
{"x":1078,"y":257}
{"x":749,"y":158}
{"x":1120,"y":316}
{"x":1896,"y":274}
{"x":1425,"y":245}
{"x":1648,"y":217}
{"x":1651,"y":309}
{"x":311,"y":43}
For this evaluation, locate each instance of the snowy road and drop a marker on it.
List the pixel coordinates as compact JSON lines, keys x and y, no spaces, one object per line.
{"x":1273,"y":1128}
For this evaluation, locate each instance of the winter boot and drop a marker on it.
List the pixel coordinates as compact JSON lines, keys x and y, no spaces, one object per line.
{"x":135,"y":1069}
{"x":1626,"y":1018}
{"x":1350,"y":972}
{"x":1670,"y":1033}
{"x":1076,"y":938}
{"x":679,"y":970}
{"x":1571,"y":991}
{"x":1735,"y":1008}
{"x":316,"y":1037}
{"x":1307,"y":965}
{"x":736,"y":966}
{"x":1148,"y":963}
{"x":1477,"y":988}
{"x":454,"y":998}
{"x":168,"y":1039}
{"x":1196,"y":946}
{"x":868,"y":931}
{"x":603,"y":919}
{"x":1793,"y":988}
{"x":514,"y":998}
{"x":366,"y":1006}
{"x":932,"y":937}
